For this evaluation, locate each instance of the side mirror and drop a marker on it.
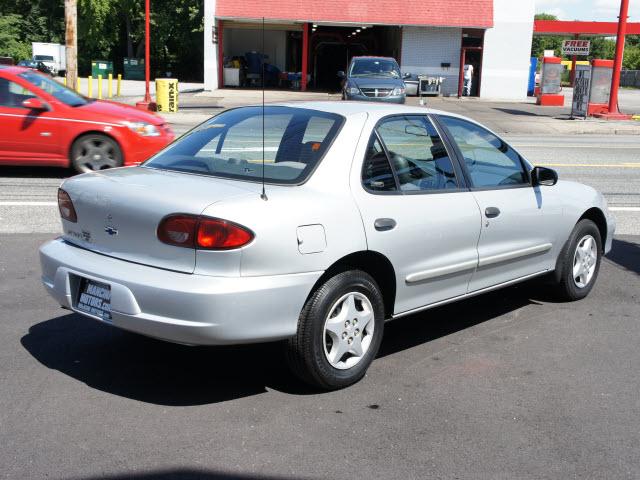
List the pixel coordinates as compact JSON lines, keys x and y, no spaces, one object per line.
{"x":341,"y":74}
{"x":34,"y":104}
{"x":406,"y":75}
{"x":544,"y":176}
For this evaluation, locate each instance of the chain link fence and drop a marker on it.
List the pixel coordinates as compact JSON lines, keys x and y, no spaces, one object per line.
{"x":630,"y":78}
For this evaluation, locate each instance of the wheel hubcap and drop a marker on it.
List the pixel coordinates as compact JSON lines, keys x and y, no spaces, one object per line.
{"x":95,"y":154}
{"x":585,"y":260}
{"x":348,"y":330}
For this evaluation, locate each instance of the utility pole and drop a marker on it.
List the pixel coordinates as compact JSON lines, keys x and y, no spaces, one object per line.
{"x":71,"y":41}
{"x":147,"y":103}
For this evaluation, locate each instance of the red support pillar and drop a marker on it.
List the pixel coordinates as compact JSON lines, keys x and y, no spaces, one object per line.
{"x":613,"y":113}
{"x":220,"y":55}
{"x":305,"y":56}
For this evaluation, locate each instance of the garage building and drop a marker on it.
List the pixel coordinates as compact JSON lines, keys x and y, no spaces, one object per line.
{"x":305,"y":43}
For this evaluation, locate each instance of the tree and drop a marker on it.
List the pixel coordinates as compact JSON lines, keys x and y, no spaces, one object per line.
{"x":10,"y":43}
{"x":541,"y":43}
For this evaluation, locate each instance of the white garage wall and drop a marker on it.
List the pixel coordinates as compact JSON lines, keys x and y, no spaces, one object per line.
{"x":210,"y":50}
{"x":238,"y":41}
{"x":507,"y":50}
{"x":425,"y":48}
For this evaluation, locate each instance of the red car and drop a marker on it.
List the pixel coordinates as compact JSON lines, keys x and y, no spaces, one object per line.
{"x":45,"y":123}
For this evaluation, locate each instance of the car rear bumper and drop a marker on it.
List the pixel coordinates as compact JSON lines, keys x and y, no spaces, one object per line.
{"x":177,"y":307}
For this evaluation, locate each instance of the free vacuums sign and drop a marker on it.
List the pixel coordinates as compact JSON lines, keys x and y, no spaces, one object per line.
{"x":576,"y":47}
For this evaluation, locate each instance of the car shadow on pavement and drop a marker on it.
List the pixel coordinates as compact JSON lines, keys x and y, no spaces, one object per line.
{"x":162,"y":373}
{"x":431,"y":324}
{"x":626,"y":255}
{"x":183,"y":474}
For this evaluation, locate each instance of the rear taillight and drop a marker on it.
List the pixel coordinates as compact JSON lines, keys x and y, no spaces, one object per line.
{"x":65,"y":205}
{"x":202,"y":232}
{"x":216,"y":234}
{"x":178,"y":230}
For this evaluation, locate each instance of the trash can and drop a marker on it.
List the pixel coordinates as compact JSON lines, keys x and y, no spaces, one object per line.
{"x":167,"y":94}
{"x":134,"y":68}
{"x":101,"y":67}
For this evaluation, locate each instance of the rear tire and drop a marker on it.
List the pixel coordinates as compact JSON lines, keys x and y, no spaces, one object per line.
{"x":339,"y":331}
{"x":94,"y":152}
{"x":579,"y":262}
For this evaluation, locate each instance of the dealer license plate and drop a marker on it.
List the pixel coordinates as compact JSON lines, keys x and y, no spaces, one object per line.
{"x":94,"y":298}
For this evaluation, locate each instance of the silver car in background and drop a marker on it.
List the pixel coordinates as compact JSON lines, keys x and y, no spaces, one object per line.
{"x":368,"y":213}
{"x":374,"y":79}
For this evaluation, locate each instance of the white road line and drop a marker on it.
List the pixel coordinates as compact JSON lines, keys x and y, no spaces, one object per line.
{"x":28,"y":204}
{"x":624,"y":209}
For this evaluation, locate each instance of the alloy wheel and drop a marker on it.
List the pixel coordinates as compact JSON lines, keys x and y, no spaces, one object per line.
{"x":348,"y":330}
{"x":585,"y":260}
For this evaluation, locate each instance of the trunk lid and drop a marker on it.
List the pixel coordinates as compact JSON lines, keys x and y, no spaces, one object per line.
{"x":119,"y":211}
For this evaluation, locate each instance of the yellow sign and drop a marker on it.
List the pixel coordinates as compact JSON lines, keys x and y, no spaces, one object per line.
{"x":167,"y":94}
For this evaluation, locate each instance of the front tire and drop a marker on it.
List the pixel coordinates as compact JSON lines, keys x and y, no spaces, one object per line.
{"x":339,"y":331}
{"x":94,"y":152}
{"x":579,"y":262}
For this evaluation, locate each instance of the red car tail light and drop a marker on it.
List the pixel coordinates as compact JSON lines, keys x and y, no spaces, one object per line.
{"x":216,"y":234}
{"x":178,"y":230}
{"x":191,"y":231}
{"x":65,"y":205}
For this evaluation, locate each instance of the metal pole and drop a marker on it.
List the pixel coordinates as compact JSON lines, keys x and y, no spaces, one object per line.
{"x":147,"y":95}
{"x":617,"y":63}
{"x":573,"y":65}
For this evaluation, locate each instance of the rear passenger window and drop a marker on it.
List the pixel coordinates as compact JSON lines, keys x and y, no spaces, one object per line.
{"x":417,"y":154}
{"x":376,"y":171}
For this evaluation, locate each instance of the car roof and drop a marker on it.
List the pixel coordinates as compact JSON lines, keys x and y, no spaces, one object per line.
{"x":14,"y":69}
{"x":377,"y":109}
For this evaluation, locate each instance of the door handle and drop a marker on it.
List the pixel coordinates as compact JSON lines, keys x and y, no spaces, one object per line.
{"x":384,"y":224}
{"x":491,"y":212}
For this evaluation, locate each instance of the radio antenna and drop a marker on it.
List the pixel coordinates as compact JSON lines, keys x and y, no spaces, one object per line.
{"x":263,"y":195}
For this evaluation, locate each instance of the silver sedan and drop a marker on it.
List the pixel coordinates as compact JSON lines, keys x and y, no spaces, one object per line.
{"x":314,"y":223}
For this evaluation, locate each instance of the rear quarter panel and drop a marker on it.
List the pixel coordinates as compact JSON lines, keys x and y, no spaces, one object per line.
{"x":325,"y":199}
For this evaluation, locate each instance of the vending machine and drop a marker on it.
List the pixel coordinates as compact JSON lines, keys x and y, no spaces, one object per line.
{"x":551,"y":83}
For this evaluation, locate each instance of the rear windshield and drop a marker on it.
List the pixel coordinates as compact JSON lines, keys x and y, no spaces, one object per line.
{"x":230,"y":145}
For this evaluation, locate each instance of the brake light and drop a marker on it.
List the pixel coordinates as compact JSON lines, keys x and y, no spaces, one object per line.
{"x":65,"y":205}
{"x":205,"y":233}
{"x":178,"y":230}
{"x":216,"y":234}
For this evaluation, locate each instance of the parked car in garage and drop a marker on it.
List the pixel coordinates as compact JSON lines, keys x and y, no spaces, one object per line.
{"x":374,"y":79}
{"x":45,"y":123}
{"x":314,"y":223}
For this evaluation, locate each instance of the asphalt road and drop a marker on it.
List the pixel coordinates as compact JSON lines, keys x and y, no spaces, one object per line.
{"x":509,"y":385}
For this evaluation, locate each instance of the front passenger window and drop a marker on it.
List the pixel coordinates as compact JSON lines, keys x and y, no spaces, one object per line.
{"x":489,"y":160}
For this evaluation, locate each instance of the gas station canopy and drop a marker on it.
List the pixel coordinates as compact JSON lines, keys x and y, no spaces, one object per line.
{"x":570,"y":28}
